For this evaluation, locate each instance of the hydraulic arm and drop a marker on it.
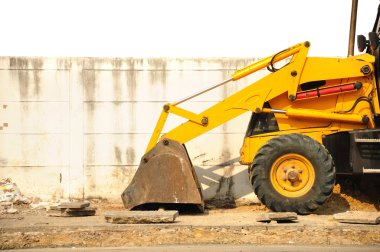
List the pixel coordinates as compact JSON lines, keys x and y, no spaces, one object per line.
{"x":299,"y":70}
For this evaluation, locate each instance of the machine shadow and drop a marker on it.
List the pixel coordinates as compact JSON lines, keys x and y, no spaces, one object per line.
{"x":222,"y":191}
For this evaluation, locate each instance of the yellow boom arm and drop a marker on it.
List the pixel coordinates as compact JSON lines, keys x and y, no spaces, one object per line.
{"x":300,"y":69}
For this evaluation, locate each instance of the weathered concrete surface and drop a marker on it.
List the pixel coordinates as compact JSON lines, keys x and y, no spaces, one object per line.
{"x":359,"y":217}
{"x":134,"y":217}
{"x":77,"y":127}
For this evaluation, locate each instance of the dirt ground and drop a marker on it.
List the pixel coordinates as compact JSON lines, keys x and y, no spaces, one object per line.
{"x":360,"y":194}
{"x":221,"y":224}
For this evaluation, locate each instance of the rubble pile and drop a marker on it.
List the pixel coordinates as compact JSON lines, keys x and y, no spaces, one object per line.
{"x":10,"y":195}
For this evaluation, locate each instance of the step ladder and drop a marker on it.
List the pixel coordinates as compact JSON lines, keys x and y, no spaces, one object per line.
{"x":365,"y":151}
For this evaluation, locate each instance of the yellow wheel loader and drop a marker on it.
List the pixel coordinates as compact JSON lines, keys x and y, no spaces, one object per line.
{"x":311,"y":119}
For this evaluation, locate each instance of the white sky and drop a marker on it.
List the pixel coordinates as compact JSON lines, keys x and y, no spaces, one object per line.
{"x":169,"y":28}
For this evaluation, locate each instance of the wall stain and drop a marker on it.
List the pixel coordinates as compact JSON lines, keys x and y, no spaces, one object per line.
{"x":131,"y":88}
{"x":23,"y":82}
{"x":18,"y":63}
{"x":91,"y":181}
{"x":88,"y":81}
{"x":130,"y":152}
{"x":89,"y":84}
{"x":122,"y":175}
{"x":25,"y":67}
{"x":131,"y":78}
{"x":131,"y":156}
{"x":235,"y":63}
{"x":118,"y":155}
{"x":116,"y":65}
{"x":158,"y":72}
{"x":90,"y":147}
{"x":37,"y":80}
{"x":37,"y":68}
{"x":64,"y":63}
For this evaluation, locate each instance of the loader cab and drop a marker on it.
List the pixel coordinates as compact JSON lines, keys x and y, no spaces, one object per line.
{"x":261,"y":123}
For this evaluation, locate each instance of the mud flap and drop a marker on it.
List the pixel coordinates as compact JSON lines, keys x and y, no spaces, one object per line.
{"x":164,"y":178}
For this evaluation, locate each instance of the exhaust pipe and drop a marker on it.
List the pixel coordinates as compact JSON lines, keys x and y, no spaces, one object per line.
{"x":351,"y":43}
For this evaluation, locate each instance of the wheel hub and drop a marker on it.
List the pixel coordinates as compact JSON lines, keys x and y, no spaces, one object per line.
{"x":292,"y":175}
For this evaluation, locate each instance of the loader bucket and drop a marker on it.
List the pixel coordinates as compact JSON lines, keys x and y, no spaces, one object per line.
{"x":165,"y":179}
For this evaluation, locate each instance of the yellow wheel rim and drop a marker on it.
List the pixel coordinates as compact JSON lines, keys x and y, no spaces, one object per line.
{"x":292,"y":175}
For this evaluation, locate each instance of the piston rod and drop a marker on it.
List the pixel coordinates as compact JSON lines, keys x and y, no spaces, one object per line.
{"x":202,"y":92}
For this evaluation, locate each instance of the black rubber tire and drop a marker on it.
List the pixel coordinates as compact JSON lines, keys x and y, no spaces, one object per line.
{"x":314,"y":152}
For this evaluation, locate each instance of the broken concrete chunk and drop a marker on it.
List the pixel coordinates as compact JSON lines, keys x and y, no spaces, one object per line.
{"x":263,"y":218}
{"x":134,"y":217}
{"x":74,"y":205}
{"x":12,"y":210}
{"x":283,"y":216}
{"x":71,"y":212}
{"x":280,"y":216}
{"x":358,"y":217}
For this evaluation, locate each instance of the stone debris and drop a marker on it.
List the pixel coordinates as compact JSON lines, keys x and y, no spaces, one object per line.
{"x":71,"y":212}
{"x":11,"y":210}
{"x":138,"y":217}
{"x":358,"y":217}
{"x":71,"y":209}
{"x":74,"y":205}
{"x":279,"y":217}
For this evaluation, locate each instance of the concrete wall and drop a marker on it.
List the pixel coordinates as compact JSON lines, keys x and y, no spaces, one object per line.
{"x":77,"y":127}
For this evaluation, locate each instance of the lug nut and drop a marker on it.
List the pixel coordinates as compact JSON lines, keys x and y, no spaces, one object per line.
{"x":292,"y":175}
